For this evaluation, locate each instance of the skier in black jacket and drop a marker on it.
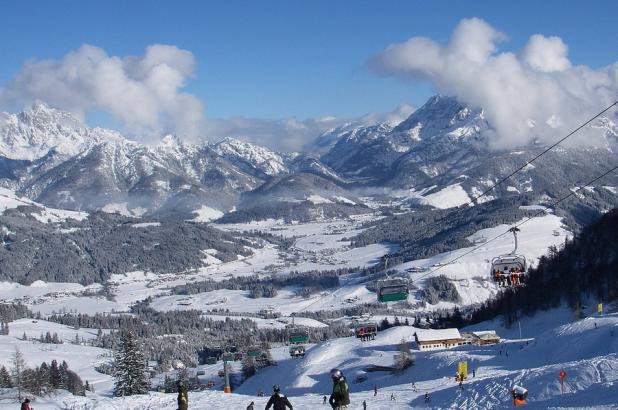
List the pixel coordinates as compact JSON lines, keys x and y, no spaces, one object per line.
{"x":278,"y":401}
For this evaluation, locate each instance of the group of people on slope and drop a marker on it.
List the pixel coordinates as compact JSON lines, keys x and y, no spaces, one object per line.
{"x":339,"y":399}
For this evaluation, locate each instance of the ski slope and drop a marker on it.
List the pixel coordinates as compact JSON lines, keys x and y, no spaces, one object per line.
{"x":553,"y":343}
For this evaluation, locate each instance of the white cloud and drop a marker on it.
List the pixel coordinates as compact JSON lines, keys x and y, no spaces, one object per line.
{"x":536,"y":93}
{"x":143,"y":92}
{"x":288,"y":134}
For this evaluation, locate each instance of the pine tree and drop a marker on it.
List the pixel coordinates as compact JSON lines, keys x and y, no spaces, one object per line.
{"x":55,"y":379}
{"x":5,"y":378}
{"x":130,"y":368}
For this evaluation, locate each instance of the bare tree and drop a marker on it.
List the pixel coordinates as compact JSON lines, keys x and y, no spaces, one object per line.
{"x":18,"y":366}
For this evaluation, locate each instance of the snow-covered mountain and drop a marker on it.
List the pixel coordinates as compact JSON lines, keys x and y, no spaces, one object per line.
{"x":443,"y":144}
{"x":51,"y":157}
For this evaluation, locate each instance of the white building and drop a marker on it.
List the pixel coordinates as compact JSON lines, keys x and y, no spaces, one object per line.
{"x":429,"y":339}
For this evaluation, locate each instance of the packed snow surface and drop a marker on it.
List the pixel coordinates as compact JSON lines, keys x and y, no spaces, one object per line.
{"x":585,"y":349}
{"x":449,"y":197}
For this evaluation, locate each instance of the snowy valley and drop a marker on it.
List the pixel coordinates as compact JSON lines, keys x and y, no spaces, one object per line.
{"x":229,"y":247}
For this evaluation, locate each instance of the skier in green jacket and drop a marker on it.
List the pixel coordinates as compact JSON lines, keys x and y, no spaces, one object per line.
{"x":340,"y":398}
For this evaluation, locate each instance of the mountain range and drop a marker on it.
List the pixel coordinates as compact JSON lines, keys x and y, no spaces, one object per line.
{"x":438,"y":156}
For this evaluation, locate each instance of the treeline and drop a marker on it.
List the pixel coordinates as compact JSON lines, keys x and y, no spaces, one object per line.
{"x":586,"y":268}
{"x":182,"y":335}
{"x":309,"y":282}
{"x":41,"y":379}
{"x":440,"y":288}
{"x":91,"y":250}
{"x":291,"y":211}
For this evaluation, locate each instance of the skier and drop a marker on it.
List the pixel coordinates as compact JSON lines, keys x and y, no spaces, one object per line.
{"x":324,"y":401}
{"x":278,"y":401}
{"x":473,"y":372}
{"x":26,"y":405}
{"x":340,"y":398}
{"x":375,"y":390}
{"x":183,"y":396}
{"x":250,"y":406}
{"x":461,"y":385}
{"x":364,"y":404}
{"x":392,"y":396}
{"x":427,"y":398}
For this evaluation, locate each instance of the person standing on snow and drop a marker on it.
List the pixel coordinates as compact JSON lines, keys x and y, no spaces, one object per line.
{"x":26,"y":405}
{"x":278,"y":401}
{"x":427,"y":398}
{"x":250,"y":406}
{"x":364,"y":404}
{"x":340,"y":398}
{"x":183,"y":396}
{"x":375,"y":390}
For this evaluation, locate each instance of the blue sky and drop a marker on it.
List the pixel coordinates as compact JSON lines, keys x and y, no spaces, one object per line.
{"x":280,"y":59}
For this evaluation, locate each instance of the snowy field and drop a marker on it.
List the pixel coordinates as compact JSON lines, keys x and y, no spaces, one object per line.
{"x":551,"y":343}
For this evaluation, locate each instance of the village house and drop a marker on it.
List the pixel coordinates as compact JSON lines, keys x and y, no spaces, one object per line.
{"x":481,"y":338}
{"x":427,"y":339}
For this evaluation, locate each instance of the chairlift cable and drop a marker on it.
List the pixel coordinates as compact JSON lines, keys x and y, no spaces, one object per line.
{"x":475,"y":198}
{"x":499,"y":182}
{"x":540,"y":212}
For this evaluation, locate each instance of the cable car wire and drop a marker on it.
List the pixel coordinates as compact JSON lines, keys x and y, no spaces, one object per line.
{"x":475,"y":198}
{"x":542,"y":211}
{"x":499,"y":182}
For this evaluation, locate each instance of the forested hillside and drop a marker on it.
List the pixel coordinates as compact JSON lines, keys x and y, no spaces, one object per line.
{"x":585,"y":269}
{"x":104,"y":244}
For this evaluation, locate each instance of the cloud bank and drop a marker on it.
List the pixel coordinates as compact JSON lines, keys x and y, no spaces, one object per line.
{"x":534,"y":94}
{"x":143,"y":92}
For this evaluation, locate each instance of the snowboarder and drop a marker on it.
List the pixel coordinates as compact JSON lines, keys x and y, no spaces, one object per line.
{"x":427,"y":398}
{"x":278,"y":401}
{"x":250,"y":406}
{"x":392,"y":396}
{"x":324,"y":401}
{"x":183,"y":396}
{"x":364,"y":404}
{"x":340,"y":398}
{"x":26,"y":405}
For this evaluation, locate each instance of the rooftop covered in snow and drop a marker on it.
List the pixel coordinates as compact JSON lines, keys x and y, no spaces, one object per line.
{"x":429,"y":335}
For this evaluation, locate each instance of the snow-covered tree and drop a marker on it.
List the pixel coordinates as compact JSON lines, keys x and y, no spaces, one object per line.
{"x":130,"y":368}
{"x":18,"y":366}
{"x":5,"y":378}
{"x":55,"y":379}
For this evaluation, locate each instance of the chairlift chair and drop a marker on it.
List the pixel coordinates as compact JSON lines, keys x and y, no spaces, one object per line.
{"x":366,"y":330}
{"x":509,"y":269}
{"x":391,"y":290}
{"x":298,"y":335}
{"x":297,"y":351}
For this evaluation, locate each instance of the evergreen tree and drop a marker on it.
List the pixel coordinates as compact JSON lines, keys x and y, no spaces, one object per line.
{"x":130,"y":370}
{"x":55,"y":379}
{"x":5,"y":378}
